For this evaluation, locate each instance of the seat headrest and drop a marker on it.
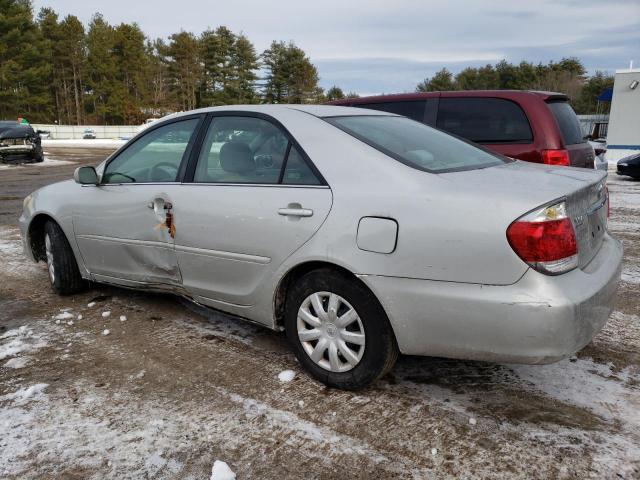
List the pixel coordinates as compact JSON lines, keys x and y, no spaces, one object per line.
{"x":237,"y":157}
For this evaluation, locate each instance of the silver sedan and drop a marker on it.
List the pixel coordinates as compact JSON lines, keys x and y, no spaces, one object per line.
{"x":360,"y":233}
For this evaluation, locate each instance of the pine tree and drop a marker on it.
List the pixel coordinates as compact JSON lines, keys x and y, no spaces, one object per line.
{"x":441,"y":81}
{"x":24,"y":66}
{"x":101,"y":69}
{"x":72,"y":52}
{"x":243,"y":63}
{"x":334,"y":93}
{"x":182,"y":55}
{"x":291,"y":77}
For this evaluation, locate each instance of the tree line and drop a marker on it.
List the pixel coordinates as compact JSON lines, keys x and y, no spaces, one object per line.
{"x":567,"y":76}
{"x":55,"y":69}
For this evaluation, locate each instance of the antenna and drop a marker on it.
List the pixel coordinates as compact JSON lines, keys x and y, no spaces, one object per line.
{"x":630,"y":64}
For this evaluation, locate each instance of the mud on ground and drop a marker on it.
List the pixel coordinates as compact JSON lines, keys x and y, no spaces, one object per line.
{"x":168,"y":388}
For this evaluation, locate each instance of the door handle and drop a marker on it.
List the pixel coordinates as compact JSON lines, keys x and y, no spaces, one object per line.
{"x":295,"y":212}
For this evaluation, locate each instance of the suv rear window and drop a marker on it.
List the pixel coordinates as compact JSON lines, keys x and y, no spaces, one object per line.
{"x":416,"y":144}
{"x":413,"y":109}
{"x":567,"y":122}
{"x":484,"y":120}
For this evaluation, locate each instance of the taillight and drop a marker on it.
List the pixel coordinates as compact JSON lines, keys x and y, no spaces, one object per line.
{"x":545,"y":240}
{"x":556,"y":157}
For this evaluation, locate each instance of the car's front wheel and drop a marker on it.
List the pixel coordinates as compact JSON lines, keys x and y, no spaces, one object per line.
{"x":338,"y":330}
{"x":64,"y":274}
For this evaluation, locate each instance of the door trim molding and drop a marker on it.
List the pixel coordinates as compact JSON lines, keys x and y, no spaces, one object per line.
{"x":241,"y":257}
{"x":127,"y":241}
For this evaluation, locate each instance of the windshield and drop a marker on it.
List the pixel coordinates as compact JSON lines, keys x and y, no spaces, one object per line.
{"x":415,"y":144}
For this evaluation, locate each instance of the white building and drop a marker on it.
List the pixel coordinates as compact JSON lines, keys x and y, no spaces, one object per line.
{"x":623,"y":137}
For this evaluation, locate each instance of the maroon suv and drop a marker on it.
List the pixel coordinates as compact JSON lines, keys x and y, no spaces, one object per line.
{"x":533,"y":126}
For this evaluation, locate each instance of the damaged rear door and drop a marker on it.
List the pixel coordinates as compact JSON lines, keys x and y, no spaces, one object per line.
{"x":124,"y":226}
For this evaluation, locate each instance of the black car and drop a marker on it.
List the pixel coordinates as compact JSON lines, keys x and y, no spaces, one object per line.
{"x":630,"y":166}
{"x":19,"y":143}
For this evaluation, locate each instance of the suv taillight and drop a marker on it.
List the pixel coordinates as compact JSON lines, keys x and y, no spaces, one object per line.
{"x":556,"y":157}
{"x":545,"y":240}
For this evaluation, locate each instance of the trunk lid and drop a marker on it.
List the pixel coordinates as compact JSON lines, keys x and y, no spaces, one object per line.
{"x":517,"y":188}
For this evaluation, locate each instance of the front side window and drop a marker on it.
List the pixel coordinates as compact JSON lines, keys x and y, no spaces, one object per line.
{"x":250,"y":150}
{"x":155,"y":157}
{"x":484,"y":120}
{"x":416,"y":144}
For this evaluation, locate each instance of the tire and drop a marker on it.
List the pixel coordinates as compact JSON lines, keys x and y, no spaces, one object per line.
{"x":39,"y":156}
{"x":364,"y":363}
{"x":64,"y":274}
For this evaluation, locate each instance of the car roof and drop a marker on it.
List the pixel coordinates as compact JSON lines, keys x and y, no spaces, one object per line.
{"x":320,"y":111}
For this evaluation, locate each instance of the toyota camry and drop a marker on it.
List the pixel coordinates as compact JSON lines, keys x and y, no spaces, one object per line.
{"x":360,"y":233}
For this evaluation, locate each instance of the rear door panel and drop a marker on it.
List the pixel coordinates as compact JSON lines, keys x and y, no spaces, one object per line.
{"x":230,"y":238}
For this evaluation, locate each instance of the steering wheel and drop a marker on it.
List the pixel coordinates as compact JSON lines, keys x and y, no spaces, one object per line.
{"x":158,"y":168}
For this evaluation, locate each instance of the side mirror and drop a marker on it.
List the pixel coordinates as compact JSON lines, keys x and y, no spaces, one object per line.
{"x":85,"y":176}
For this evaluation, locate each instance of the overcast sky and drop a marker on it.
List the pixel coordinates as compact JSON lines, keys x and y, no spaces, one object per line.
{"x":374,"y":46}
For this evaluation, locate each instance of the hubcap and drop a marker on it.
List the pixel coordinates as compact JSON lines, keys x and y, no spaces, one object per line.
{"x":47,"y":249}
{"x":331,"y":331}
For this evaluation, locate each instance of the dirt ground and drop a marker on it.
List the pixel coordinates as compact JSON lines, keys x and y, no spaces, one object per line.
{"x":160,"y":388}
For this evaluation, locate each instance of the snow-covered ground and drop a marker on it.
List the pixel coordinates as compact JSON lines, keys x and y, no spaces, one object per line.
{"x":174,"y":391}
{"x":106,"y":143}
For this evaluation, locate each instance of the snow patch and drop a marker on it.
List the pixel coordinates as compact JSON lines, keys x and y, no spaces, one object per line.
{"x":286,"y":376}
{"x":123,"y":318}
{"x":586,"y":384}
{"x":83,"y":143}
{"x":25,"y":394}
{"x":105,"y":332}
{"x":63,"y":316}
{"x":221,"y":471}
{"x":22,"y":340}
{"x":18,"y":362}
{"x":106,"y":314}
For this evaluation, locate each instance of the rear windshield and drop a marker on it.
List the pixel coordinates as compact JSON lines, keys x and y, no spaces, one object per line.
{"x":567,"y":122}
{"x":415,"y":144}
{"x":484,"y":120}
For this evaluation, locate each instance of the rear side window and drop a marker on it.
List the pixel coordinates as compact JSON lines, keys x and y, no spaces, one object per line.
{"x":484,"y":120}
{"x":567,"y":122}
{"x":297,"y":171}
{"x":413,"y":109}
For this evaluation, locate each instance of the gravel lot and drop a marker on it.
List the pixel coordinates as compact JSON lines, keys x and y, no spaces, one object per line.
{"x":159,"y":388}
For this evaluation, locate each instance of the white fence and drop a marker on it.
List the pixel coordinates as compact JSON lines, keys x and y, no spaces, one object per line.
{"x":66,"y":132}
{"x":587,"y":121}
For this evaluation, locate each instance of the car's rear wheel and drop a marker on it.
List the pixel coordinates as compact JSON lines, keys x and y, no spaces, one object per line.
{"x":64,"y":274}
{"x":338,"y":330}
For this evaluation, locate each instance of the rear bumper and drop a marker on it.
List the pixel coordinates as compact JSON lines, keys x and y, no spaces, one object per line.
{"x":539,"y":319}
